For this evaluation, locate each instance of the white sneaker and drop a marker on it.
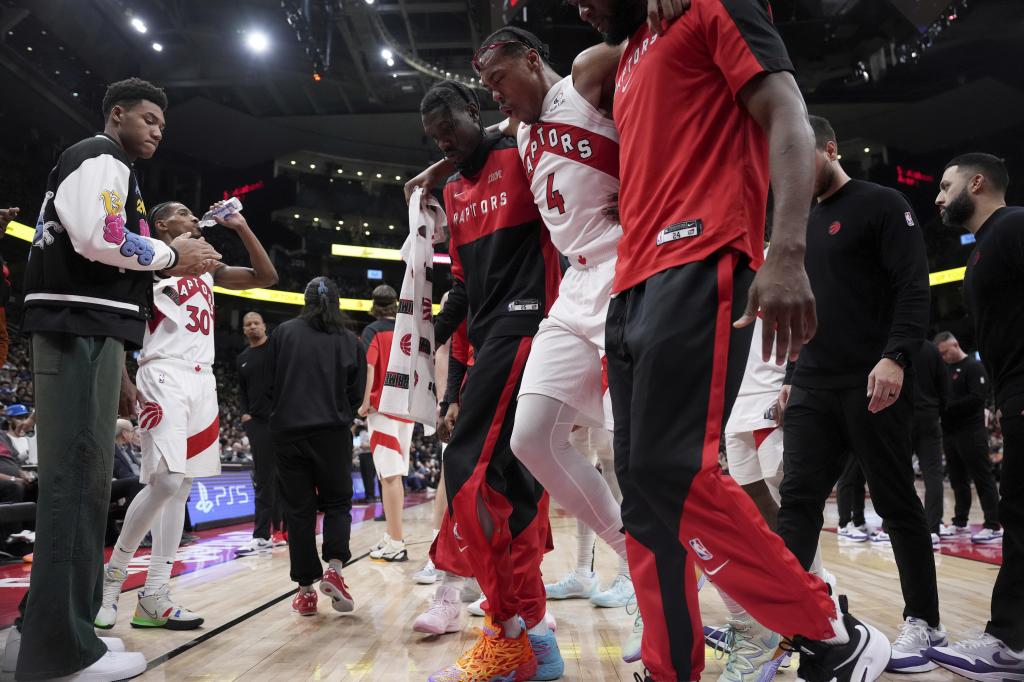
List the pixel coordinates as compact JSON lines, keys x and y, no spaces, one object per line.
{"x":113,"y":579}
{"x":935,"y":540}
{"x":156,"y":609}
{"x":947,"y":531}
{"x":115,"y":644}
{"x":617,"y":595}
{"x":631,"y":647}
{"x":477,"y":607}
{"x":754,"y":652}
{"x":908,"y":649}
{"x":427,"y":575}
{"x":11,"y":650}
{"x":255,"y":546}
{"x":444,"y":614}
{"x":113,"y":665}
{"x":471,"y":592}
{"x":854,"y":533}
{"x":573,"y":586}
{"x":987,"y":535}
{"x":384,"y":539}
{"x":880,"y":536}
{"x":392,"y":550}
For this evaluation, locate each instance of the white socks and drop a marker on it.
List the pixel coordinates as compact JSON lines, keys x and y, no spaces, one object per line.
{"x":585,"y":539}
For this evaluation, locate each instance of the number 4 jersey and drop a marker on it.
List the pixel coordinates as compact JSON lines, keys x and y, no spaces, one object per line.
{"x":179,"y":419}
{"x":571,"y":158}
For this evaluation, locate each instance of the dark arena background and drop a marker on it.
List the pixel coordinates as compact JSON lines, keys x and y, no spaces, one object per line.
{"x":308,"y":112}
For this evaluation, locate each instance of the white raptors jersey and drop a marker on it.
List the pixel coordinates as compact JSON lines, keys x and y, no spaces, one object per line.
{"x":572,"y":160}
{"x":182,"y":324}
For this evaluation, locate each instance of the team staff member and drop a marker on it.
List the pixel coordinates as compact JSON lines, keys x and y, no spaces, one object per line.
{"x":506,"y":276}
{"x":268,"y":527}
{"x":693,"y":234}
{"x":88,"y":293}
{"x":930,"y":398}
{"x":972,"y":195}
{"x":317,"y":372}
{"x":966,"y":441}
{"x":867,"y":336}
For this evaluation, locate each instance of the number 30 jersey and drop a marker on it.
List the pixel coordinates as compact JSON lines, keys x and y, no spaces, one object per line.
{"x":571,"y":158}
{"x":182,"y":324}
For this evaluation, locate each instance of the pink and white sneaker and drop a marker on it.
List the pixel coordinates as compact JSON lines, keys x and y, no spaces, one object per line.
{"x":333,"y":585}
{"x":444,"y":614}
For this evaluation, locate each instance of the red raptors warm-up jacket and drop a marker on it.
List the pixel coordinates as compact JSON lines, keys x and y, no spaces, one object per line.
{"x":505,"y":270}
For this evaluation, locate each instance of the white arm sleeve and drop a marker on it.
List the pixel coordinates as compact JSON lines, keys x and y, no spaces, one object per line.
{"x":90,"y":203}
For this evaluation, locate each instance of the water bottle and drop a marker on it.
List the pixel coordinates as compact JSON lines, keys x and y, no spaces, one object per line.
{"x":232,"y":205}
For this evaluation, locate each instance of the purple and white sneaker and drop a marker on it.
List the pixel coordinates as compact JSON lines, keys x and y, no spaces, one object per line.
{"x":983,"y":658}
{"x":909,"y":651}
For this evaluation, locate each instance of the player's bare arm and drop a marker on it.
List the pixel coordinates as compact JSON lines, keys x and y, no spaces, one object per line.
{"x":261,"y":274}
{"x":781,"y":290}
{"x":593,"y":75}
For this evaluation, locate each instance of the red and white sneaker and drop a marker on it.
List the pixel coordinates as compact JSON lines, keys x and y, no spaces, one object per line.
{"x":279,"y":538}
{"x":333,"y":585}
{"x":304,"y":603}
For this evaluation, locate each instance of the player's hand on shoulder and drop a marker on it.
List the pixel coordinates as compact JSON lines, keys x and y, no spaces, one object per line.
{"x":192,"y":252}
{"x":661,"y":13}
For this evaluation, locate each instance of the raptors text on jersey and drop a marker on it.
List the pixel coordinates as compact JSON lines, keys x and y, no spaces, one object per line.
{"x":182,"y":324}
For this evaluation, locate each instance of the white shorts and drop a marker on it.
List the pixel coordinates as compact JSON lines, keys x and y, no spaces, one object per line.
{"x":179,"y":422}
{"x":390,"y":441}
{"x":565,"y":361}
{"x":750,"y":464}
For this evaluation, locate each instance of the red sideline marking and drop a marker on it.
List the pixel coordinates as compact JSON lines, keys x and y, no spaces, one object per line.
{"x":204,"y":439}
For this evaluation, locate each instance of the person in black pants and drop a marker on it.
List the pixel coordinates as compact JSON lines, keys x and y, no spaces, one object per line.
{"x":361,"y":442}
{"x":268,"y":527}
{"x":966,"y":440}
{"x":932,"y":391}
{"x":317,"y":371}
{"x":850,"y":501}
{"x":972,"y":195}
{"x":852,"y":385}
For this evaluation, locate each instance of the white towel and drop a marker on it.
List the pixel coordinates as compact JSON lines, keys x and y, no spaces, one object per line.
{"x":409,"y":387}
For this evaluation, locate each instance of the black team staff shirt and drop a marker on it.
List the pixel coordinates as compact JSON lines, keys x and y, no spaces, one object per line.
{"x":994,"y":291}
{"x":968,"y":393}
{"x":869,"y":272}
{"x":254,"y":382}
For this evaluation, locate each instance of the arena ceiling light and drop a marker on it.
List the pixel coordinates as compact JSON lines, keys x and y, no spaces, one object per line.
{"x":157,"y":47}
{"x":257,"y":41}
{"x":139,"y":25}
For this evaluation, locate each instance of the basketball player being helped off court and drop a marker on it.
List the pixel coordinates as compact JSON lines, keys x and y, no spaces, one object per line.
{"x":179,"y":419}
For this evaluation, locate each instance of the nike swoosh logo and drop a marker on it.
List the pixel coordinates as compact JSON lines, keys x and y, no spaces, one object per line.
{"x":714,"y":571}
{"x":864,"y":636}
{"x":463,"y":549}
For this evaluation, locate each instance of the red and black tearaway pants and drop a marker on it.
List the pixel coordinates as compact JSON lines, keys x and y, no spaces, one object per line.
{"x":483,"y":476}
{"x":674,"y":367}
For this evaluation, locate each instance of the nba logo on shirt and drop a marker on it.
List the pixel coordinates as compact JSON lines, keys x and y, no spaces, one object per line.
{"x":700,"y":550}
{"x":909,"y":218}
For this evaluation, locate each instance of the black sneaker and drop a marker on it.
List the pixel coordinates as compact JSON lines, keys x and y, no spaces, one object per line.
{"x":637,"y":677}
{"x":862,"y":659}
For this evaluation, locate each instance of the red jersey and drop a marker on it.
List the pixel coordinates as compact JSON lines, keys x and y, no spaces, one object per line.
{"x":377,"y":339}
{"x":693,"y":163}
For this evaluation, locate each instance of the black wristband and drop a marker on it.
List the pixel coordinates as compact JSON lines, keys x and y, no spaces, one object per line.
{"x":174,"y":258}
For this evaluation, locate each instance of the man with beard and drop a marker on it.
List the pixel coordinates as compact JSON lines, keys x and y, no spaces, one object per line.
{"x":506,"y":275}
{"x":867,"y":264}
{"x":694,"y":187}
{"x":972,"y":195}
